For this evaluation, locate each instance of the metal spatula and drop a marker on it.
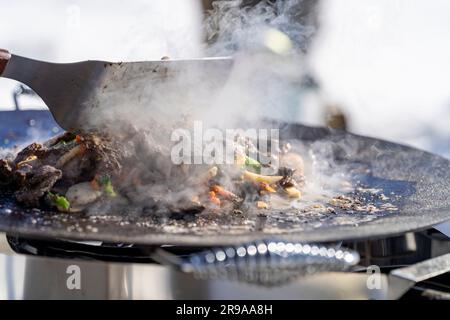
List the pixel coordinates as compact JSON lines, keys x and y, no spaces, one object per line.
{"x":75,"y":91}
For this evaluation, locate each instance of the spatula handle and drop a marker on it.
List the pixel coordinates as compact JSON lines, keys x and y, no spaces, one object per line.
{"x":4,"y":58}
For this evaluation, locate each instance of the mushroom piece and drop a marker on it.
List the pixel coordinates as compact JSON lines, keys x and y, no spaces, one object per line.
{"x":81,"y":195}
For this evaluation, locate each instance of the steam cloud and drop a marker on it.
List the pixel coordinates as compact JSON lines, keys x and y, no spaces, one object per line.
{"x":266,"y":41}
{"x":232,"y":27}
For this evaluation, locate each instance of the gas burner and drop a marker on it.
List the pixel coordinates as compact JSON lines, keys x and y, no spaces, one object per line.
{"x":411,"y":266}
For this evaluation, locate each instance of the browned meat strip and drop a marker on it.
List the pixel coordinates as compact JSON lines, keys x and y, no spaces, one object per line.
{"x":106,"y":153}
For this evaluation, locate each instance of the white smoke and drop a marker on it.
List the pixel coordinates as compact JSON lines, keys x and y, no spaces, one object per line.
{"x":266,"y":42}
{"x":232,"y":27}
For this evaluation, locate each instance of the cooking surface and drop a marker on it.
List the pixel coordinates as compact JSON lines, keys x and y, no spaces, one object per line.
{"x":394,"y":189}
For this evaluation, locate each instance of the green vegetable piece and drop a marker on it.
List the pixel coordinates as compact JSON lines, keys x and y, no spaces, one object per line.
{"x":252,"y":164}
{"x":109,"y":190}
{"x":60,"y":202}
{"x":106,"y":183}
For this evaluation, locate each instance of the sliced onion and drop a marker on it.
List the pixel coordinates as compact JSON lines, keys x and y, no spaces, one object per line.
{"x":260,"y":178}
{"x":71,"y":154}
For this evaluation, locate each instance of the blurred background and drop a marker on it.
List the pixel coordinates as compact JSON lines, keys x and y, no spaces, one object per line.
{"x":375,"y":67}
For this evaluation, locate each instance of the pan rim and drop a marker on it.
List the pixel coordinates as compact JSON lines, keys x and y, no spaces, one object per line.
{"x":381,"y":228}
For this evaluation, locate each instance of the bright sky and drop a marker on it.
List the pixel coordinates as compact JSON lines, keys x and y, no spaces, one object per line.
{"x":74,"y":30}
{"x":385,"y":61}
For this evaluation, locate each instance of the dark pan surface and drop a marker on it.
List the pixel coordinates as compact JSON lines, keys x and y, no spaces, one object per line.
{"x":416,"y":183}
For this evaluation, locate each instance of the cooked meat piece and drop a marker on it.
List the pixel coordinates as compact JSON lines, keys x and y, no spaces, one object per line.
{"x":80,"y":168}
{"x":37,"y":168}
{"x":21,"y":174}
{"x":106,"y":152}
{"x":28,"y":152}
{"x":43,"y":155}
{"x":6,"y":173}
{"x":72,"y":171}
{"x":38,"y":182}
{"x":287,"y":174}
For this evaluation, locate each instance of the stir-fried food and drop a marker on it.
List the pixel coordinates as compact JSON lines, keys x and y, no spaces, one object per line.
{"x":82,"y":172}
